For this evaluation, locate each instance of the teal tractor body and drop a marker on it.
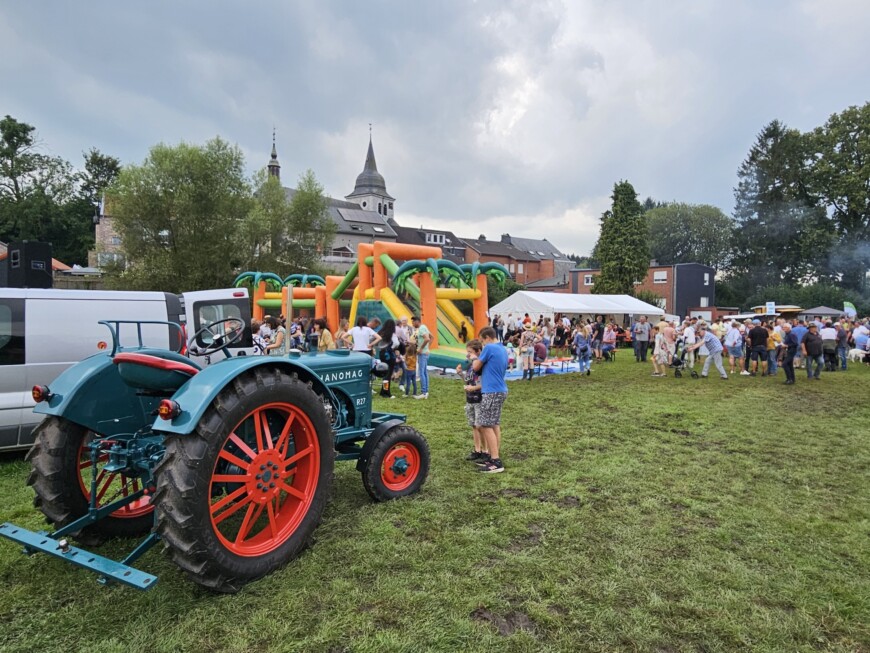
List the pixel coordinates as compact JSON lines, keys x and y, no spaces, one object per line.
{"x":230,"y":465}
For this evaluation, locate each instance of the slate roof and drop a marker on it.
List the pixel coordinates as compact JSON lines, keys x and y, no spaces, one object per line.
{"x":415,"y":236}
{"x":370,"y":181}
{"x":542,"y":248}
{"x":550,"y":282}
{"x":373,"y":224}
{"x":498,"y":248}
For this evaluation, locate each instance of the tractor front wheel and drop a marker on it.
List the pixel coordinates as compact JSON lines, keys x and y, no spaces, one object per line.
{"x":61,"y":472}
{"x":397,"y":465}
{"x":242,"y":494}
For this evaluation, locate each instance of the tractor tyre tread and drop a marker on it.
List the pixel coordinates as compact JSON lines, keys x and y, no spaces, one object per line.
{"x":54,"y":478}
{"x":184,"y":476}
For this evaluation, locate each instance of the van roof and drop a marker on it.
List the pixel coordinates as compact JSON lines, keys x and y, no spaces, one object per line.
{"x":103,"y":295}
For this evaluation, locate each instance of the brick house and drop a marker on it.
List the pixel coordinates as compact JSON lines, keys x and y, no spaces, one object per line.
{"x":681,"y":286}
{"x":524,"y":267}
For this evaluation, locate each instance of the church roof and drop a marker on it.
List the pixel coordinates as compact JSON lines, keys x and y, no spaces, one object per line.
{"x":350,"y":219}
{"x":370,"y":181}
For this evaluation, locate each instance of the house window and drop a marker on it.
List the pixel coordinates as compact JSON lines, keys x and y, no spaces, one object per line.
{"x":705,"y":302}
{"x":435,"y":239}
{"x":660,"y":277}
{"x":364,"y":204}
{"x":706,"y":278}
{"x":588,"y":279}
{"x":391,"y":206}
{"x":379,"y":207}
{"x":663,"y":304}
{"x":379,"y":230}
{"x":116,"y":240}
{"x":519,"y":268}
{"x":356,"y":227}
{"x":511,"y":268}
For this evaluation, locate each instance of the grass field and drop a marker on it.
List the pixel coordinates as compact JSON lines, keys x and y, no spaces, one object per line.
{"x":635,"y":514}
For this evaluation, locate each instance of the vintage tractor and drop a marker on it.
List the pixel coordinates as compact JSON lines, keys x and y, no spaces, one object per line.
{"x":229,"y":465}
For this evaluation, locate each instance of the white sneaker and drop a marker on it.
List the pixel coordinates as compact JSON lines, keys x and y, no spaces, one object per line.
{"x":744,"y":373}
{"x":423,"y":396}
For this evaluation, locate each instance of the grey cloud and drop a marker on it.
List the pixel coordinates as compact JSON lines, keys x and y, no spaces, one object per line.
{"x":492,"y":113}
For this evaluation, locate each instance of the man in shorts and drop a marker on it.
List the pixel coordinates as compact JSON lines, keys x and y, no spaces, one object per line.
{"x":733,"y":345}
{"x":492,"y":366}
{"x":757,"y":342}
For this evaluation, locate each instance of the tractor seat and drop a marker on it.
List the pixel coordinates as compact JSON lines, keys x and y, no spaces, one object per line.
{"x":156,"y":370}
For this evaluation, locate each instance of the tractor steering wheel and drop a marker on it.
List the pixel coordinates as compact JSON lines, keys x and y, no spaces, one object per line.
{"x":220,"y":341}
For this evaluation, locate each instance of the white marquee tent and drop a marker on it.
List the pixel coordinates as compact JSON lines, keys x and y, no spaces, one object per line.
{"x":550,"y":303}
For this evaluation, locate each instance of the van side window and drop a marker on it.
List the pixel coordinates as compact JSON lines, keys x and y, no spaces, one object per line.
{"x":12,"y":332}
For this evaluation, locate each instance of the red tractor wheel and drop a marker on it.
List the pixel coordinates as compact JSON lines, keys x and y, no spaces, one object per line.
{"x":397,"y":465}
{"x":61,"y":478}
{"x":242,"y":494}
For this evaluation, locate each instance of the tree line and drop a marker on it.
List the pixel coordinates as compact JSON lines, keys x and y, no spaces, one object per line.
{"x":188,"y":216}
{"x":44,"y":197}
{"x":799,"y":233}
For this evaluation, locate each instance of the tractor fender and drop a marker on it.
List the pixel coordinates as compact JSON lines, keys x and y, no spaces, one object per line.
{"x":91,"y":393}
{"x":372,"y":440}
{"x":195,"y":396}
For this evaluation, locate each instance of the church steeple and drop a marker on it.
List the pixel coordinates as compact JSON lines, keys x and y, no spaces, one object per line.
{"x":274,"y":167}
{"x":370,"y":191}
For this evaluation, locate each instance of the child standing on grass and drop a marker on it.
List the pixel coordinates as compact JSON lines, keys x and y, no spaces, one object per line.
{"x":473,"y":398}
{"x":492,"y":365}
{"x":410,"y":376}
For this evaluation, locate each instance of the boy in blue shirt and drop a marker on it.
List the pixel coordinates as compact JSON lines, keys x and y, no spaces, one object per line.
{"x":492,"y":366}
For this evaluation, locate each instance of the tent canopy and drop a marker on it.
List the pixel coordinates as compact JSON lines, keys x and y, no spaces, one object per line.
{"x":550,"y":303}
{"x":822,"y":311}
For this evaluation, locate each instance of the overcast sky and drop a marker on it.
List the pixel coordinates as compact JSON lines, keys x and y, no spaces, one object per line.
{"x":488,"y":117}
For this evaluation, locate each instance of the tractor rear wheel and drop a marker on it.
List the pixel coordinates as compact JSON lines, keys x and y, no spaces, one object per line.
{"x":61,"y":478}
{"x":397,"y":465}
{"x":242,"y":494}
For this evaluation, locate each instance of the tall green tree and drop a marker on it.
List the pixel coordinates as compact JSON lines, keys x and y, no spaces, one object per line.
{"x":43,"y":198}
{"x":180,"y":216}
{"x":99,"y":173}
{"x":621,"y":250}
{"x":839,"y":177}
{"x":783,"y":235}
{"x":690,"y":233}
{"x":285,"y":235}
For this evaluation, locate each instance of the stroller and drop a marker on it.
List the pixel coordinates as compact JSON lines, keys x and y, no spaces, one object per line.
{"x":678,"y":363}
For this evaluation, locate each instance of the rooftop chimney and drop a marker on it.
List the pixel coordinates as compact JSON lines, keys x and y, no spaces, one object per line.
{"x":506,"y":239}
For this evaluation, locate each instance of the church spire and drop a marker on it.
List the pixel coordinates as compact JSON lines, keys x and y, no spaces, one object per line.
{"x":274,"y":167}
{"x":371,"y":165}
{"x":370,"y":190}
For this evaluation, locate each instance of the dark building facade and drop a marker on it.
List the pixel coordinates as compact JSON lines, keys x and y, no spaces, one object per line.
{"x":681,"y":286}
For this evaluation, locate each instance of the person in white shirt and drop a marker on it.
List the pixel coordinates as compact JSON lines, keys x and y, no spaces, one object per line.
{"x":362,"y":337}
{"x":733,"y":345}
{"x":689,"y":340}
{"x":403,"y":333}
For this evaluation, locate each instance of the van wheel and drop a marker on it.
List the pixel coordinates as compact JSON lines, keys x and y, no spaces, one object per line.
{"x":61,"y":471}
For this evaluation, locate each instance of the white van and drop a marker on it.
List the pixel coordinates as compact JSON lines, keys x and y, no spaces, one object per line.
{"x":43,"y":332}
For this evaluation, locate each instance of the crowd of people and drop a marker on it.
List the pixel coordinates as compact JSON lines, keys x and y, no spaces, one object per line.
{"x":751,"y":347}
{"x":757,"y":346}
{"x":403,"y":347}
{"x":530,"y":342}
